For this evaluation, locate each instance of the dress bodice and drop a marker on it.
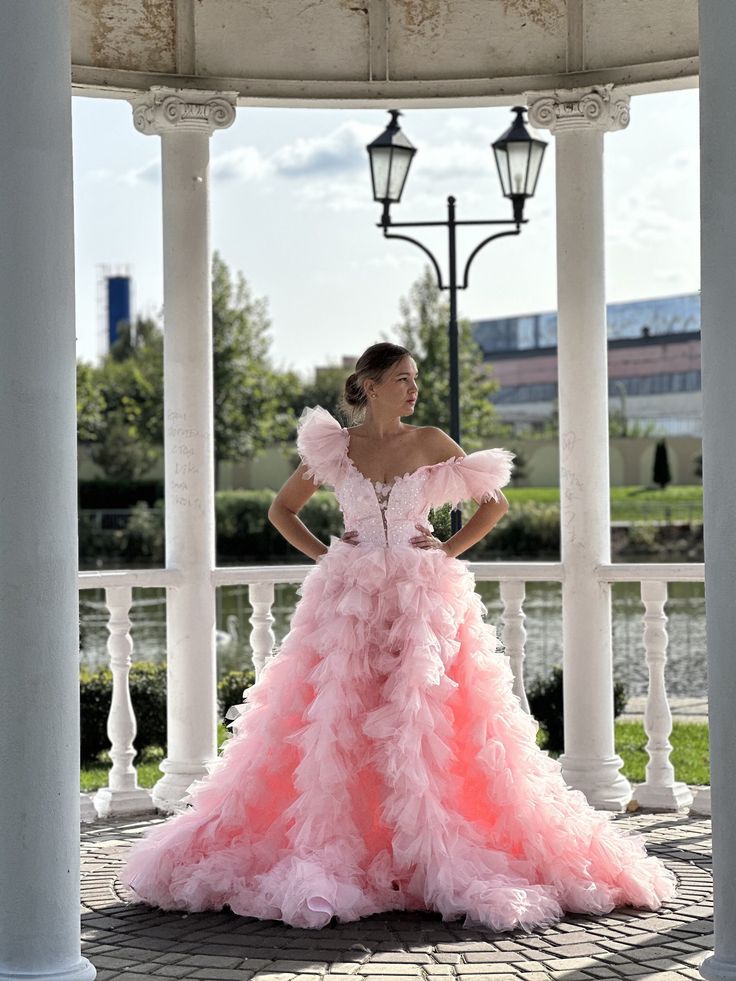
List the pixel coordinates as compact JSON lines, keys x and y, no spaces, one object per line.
{"x":387,"y":514}
{"x":383,"y":514}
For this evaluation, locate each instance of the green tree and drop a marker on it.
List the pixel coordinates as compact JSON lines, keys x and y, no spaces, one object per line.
{"x":120,"y":403}
{"x":423,"y":330}
{"x":91,"y":404}
{"x":326,"y":388}
{"x":131,"y":341}
{"x":253,"y":402}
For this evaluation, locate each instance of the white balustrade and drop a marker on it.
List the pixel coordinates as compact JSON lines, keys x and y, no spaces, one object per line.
{"x":87,"y":812}
{"x":660,"y":790}
{"x":513,"y":635}
{"x":122,"y":794}
{"x":262,"y":637}
{"x":701,"y":803}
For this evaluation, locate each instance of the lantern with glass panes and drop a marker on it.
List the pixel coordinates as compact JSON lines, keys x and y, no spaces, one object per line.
{"x":518,"y":157}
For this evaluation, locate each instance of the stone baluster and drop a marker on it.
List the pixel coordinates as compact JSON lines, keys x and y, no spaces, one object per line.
{"x":701,"y":803}
{"x":660,"y":791}
{"x":262,"y":637}
{"x":87,"y":812}
{"x":122,"y":794}
{"x":513,"y":635}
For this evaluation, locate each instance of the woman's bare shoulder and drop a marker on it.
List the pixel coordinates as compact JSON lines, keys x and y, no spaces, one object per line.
{"x":439,"y":445}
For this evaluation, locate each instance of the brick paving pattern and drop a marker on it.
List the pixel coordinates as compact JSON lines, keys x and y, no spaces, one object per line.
{"x":129,"y":940}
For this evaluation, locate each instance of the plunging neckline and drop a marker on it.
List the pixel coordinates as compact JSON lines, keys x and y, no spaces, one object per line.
{"x":398,"y":477}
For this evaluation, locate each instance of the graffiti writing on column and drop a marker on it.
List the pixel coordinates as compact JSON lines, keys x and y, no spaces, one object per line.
{"x":185,"y":448}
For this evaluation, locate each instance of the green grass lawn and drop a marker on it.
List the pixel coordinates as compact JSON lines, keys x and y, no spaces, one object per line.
{"x":94,"y":775}
{"x":690,"y":751}
{"x":690,"y":756}
{"x":629,"y":503}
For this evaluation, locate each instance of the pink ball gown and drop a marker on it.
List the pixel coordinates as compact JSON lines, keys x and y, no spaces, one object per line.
{"x":382,"y":760}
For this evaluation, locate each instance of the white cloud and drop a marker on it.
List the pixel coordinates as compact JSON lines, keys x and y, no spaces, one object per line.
{"x":458,"y":159}
{"x":332,"y":170}
{"x":149,"y":173}
{"x":385,"y":261}
{"x":661,"y":207}
{"x":338,"y":195}
{"x":335,"y":171}
{"x":245,"y":163}
{"x":341,"y":151}
{"x":674,"y":279}
{"x":458,"y":124}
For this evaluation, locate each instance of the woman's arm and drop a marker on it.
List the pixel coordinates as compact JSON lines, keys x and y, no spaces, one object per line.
{"x":283,"y":514}
{"x":485,"y":518}
{"x":477,"y":527}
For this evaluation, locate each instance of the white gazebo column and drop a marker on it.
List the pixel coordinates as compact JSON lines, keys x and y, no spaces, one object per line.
{"x":39,"y":603}
{"x":185,"y":120}
{"x":718,"y":288}
{"x":578,"y":119}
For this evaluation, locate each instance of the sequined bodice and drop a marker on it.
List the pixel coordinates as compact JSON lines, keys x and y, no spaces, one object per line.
{"x":383,"y":513}
{"x":388,"y":514}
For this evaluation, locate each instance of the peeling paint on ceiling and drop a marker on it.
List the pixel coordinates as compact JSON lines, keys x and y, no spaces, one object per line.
{"x":309,"y":49}
{"x":422,"y":16}
{"x":128,"y":33}
{"x":543,"y":13}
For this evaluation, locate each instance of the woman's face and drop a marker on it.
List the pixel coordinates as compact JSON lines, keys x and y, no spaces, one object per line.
{"x":398,"y":391}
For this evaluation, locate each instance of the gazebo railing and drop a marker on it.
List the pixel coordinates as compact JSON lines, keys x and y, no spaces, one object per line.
{"x":660,"y":790}
{"x":122,"y":793}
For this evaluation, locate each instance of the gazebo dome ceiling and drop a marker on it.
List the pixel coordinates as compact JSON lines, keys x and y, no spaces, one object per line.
{"x":381,"y":52}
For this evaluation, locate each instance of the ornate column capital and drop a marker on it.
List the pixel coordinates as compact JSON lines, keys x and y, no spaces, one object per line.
{"x":597,"y":107}
{"x":165,"y":110}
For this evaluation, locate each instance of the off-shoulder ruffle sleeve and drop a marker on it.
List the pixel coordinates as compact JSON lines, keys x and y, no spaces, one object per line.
{"x":321,"y":443}
{"x":479,"y":475}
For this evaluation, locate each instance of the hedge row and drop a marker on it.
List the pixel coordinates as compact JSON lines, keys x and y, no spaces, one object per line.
{"x":148,"y":695}
{"x":245,"y":535}
{"x":118,"y":493}
{"x":544,"y":696}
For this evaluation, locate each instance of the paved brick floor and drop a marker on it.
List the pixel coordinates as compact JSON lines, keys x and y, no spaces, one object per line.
{"x":126,"y":939}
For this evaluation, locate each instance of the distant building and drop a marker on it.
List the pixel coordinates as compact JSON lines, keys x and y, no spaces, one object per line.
{"x":653,"y":364}
{"x":114,"y":304}
{"x":347,"y":363}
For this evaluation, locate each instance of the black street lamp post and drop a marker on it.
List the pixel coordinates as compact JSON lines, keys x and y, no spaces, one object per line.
{"x":518,"y":159}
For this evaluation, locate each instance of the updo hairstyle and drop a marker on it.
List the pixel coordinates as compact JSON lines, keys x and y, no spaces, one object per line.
{"x":373,"y":364}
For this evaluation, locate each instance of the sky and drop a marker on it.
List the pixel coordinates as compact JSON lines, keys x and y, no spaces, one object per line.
{"x":292,"y":209}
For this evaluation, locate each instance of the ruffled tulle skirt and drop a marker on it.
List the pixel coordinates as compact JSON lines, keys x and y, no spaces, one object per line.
{"x":381,"y":762}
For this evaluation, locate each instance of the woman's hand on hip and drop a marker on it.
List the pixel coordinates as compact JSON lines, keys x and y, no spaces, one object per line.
{"x":426,"y":539}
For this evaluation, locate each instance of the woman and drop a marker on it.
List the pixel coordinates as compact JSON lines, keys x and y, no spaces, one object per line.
{"x":382,"y":761}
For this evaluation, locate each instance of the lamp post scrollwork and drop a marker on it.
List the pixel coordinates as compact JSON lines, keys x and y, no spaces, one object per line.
{"x":518,"y":157}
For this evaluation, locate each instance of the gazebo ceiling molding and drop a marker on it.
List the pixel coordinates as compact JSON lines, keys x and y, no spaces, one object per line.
{"x":381,"y":53}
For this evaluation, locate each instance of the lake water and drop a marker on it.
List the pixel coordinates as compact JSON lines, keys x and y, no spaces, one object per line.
{"x":685,"y":669}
